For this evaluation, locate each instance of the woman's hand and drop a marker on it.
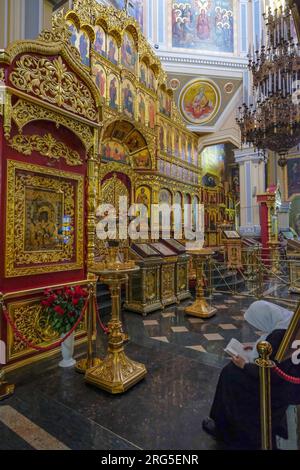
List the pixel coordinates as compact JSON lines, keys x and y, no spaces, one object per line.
{"x":238,"y":361}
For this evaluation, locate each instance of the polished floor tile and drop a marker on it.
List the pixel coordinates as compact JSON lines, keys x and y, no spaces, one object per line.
{"x":197,"y":348}
{"x":34,"y":435}
{"x":227,"y":326}
{"x":213,"y":337}
{"x":150,"y":322}
{"x":164,"y":339}
{"x":179,"y":329}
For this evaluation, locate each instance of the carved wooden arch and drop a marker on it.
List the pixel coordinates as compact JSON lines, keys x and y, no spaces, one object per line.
{"x":25,"y":112}
{"x":58,"y":55}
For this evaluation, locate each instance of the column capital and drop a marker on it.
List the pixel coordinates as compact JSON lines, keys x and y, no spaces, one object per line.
{"x":246,"y":155}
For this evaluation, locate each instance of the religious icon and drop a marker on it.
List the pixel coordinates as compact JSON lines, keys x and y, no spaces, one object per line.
{"x":199,"y":101}
{"x":112,"y":50}
{"x":169,"y":140}
{"x":202,"y":24}
{"x":190,"y":152}
{"x":74,"y":33}
{"x":100,"y":41}
{"x":128,"y":99}
{"x":143,"y":196}
{"x":165,"y":197}
{"x":176,"y":142}
{"x":151,"y":113}
{"x":113,"y":92}
{"x":142,"y":159}
{"x":162,"y":138}
{"x":293,"y":172}
{"x":43,"y":221}
{"x":143,"y":73}
{"x":84,"y":44}
{"x":162,"y":102}
{"x":100,"y":78}
{"x":135,"y":141}
{"x":114,"y":151}
{"x":152,"y":80}
{"x":142,"y":110}
{"x":183,"y":147}
{"x":128,"y":52}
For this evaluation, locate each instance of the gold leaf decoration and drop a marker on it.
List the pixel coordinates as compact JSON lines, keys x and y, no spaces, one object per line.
{"x":51,"y":81}
{"x":24,"y":112}
{"x":47,"y":146}
{"x":59,"y":31}
{"x":39,"y":200}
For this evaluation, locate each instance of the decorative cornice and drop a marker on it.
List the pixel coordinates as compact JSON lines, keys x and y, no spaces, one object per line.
{"x":184,"y":59}
{"x":47,"y":146}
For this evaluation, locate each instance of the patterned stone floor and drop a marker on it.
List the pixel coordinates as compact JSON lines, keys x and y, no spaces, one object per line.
{"x":53,"y":408}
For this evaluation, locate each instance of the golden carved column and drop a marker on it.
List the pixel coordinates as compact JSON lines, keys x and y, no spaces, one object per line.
{"x":200,"y":307}
{"x":273,"y":243}
{"x":92,"y":178}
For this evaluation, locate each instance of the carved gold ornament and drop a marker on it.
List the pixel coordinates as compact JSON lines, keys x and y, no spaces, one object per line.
{"x":24,"y":112}
{"x":2,"y":77}
{"x":59,"y":31}
{"x":44,"y":220}
{"x":51,"y":81}
{"x":31,"y":320}
{"x":47,"y":146}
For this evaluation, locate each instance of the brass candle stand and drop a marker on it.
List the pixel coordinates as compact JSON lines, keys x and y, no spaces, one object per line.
{"x":200,"y":307}
{"x":89,"y":361}
{"x":116,"y":373}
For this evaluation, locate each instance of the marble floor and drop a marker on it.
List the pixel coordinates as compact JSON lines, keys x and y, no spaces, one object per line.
{"x":54,"y":409}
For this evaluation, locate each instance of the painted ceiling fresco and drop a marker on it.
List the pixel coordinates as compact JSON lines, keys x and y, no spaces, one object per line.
{"x":203,"y":24}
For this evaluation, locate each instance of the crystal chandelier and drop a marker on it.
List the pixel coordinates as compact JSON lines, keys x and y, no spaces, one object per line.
{"x":272,"y":121}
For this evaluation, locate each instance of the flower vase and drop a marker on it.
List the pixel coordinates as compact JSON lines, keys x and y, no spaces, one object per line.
{"x":67,"y":350}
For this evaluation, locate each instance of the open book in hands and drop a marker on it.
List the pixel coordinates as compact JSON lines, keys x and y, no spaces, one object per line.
{"x":235,"y":348}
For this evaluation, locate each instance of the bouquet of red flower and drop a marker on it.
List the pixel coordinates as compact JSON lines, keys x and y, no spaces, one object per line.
{"x":64,"y":307}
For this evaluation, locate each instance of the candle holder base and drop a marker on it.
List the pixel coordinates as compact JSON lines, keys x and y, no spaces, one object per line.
{"x":200,"y":309}
{"x":116,"y":374}
{"x":84,"y":364}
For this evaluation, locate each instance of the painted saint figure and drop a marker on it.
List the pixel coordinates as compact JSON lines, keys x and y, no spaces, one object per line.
{"x":83,"y":49}
{"x":113,"y":93}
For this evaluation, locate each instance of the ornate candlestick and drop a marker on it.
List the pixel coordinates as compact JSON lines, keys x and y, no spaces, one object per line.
{"x":200,"y":307}
{"x":117,"y":373}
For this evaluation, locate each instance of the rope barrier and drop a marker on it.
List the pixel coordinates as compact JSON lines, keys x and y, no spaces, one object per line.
{"x":102,"y":326}
{"x":42,"y":348}
{"x":286,"y":377}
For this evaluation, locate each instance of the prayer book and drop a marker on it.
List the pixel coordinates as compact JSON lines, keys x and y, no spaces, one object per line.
{"x":235,"y":348}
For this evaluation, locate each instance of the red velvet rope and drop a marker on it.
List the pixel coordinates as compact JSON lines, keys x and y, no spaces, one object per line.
{"x":104,"y":328}
{"x":42,"y":348}
{"x":286,"y":377}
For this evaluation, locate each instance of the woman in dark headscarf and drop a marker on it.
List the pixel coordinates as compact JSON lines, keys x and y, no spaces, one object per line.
{"x":235,"y":412}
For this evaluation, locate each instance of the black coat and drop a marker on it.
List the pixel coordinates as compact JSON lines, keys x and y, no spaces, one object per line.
{"x":236,"y":405}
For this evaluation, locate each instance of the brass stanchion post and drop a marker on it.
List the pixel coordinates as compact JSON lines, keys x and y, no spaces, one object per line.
{"x":89,"y":361}
{"x":200,"y":308}
{"x":6,"y":389}
{"x":265,"y":364}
